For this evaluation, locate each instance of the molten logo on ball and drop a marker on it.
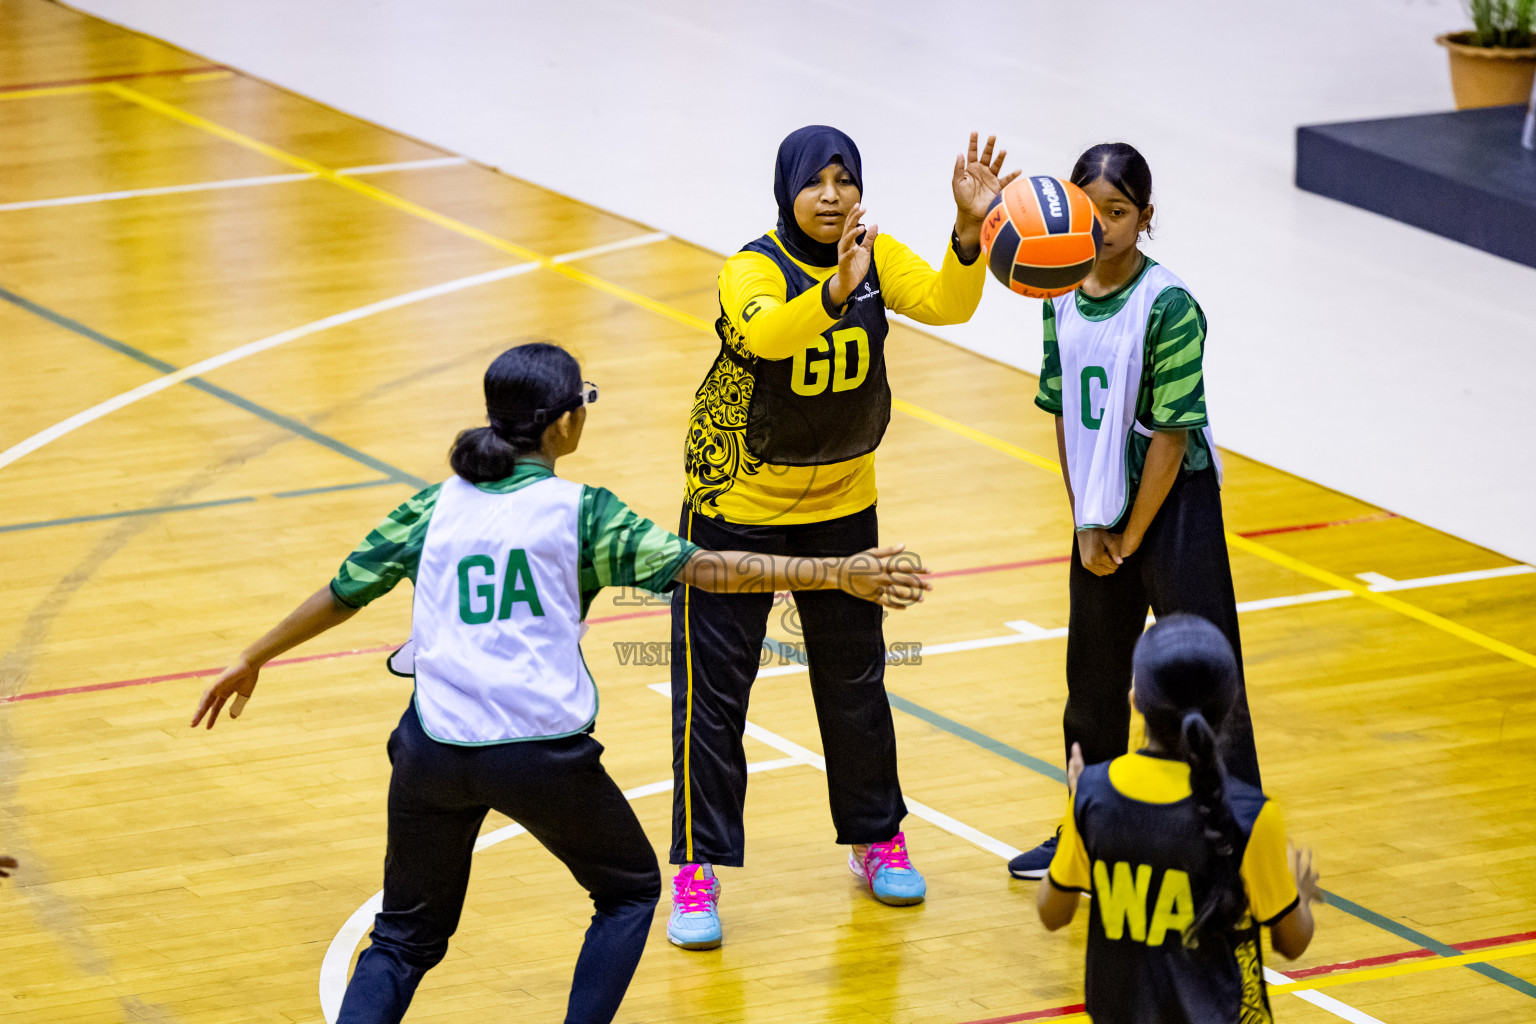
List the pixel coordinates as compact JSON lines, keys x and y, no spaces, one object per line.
{"x":1041,"y":236}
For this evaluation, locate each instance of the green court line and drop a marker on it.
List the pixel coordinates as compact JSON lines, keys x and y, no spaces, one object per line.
{"x":1050,"y":771}
{"x":305,"y":492}
{"x":982,"y":740}
{"x":1402,"y":931}
{"x":271,"y":416}
{"x":189,"y":507}
{"x":41,"y":523}
{"x":789,"y":652}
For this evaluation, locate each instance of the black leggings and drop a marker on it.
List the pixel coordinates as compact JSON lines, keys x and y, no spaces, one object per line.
{"x":1181,"y":566}
{"x":716,"y":645}
{"x":556,"y":789}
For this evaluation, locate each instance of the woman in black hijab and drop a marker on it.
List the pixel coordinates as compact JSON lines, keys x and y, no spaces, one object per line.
{"x":780,"y":459}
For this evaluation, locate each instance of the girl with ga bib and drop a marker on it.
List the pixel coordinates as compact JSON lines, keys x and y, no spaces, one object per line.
{"x":1123,"y":376}
{"x":780,"y":459}
{"x":505,"y":558}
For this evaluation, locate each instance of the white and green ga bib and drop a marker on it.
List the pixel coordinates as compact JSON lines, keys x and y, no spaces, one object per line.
{"x":1101,"y":379}
{"x":496,"y":618}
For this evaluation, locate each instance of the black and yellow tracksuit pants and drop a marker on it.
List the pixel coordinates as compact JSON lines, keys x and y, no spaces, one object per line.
{"x":716,"y":651}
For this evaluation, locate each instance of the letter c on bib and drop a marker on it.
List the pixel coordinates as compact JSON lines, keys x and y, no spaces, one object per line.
{"x":1092,"y":419}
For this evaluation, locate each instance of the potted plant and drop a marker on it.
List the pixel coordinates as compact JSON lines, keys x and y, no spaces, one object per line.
{"x":1493,"y":64}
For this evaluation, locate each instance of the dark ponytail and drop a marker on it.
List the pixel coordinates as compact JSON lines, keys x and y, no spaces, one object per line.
{"x":1186,"y":681}
{"x":526,"y":389}
{"x":1221,"y":881}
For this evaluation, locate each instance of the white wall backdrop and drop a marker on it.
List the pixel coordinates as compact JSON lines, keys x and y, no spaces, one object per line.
{"x":1367,"y":355}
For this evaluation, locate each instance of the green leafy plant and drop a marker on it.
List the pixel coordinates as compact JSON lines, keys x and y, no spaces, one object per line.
{"x":1505,"y":23}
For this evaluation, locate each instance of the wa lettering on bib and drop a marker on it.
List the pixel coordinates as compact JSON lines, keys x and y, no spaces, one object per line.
{"x":496,"y":619}
{"x":1102,"y":366}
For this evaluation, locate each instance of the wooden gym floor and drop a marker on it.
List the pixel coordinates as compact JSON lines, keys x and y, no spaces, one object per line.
{"x":214,"y":386}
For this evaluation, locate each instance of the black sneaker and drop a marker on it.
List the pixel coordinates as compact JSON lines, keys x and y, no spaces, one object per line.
{"x":1034,"y":864}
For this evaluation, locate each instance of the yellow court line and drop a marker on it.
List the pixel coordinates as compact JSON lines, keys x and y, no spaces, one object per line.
{"x":1252,"y":547}
{"x":688,"y":320}
{"x":1398,"y":605}
{"x":1379,"y":973}
{"x":1408,"y":967}
{"x":979,"y":436}
{"x":402,"y":204}
{"x":52,"y":90}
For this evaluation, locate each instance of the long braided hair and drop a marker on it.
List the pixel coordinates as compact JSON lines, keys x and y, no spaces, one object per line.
{"x":1186,"y":681}
{"x":526,"y":389}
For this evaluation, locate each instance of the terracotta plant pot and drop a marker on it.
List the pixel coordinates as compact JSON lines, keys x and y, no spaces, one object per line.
{"x":1488,"y":76}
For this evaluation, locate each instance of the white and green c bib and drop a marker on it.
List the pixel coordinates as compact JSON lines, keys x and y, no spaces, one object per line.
{"x":1101,"y":379}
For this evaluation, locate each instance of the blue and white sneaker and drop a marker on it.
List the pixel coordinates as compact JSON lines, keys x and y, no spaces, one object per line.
{"x":1035,"y":864}
{"x":888,"y":870}
{"x":695,"y":920}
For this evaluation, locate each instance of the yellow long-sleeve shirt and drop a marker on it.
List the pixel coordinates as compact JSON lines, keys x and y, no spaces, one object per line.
{"x":724,"y":478}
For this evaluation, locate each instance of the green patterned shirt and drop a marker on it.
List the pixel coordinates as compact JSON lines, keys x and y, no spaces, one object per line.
{"x":1172,"y":392}
{"x":619,"y":548}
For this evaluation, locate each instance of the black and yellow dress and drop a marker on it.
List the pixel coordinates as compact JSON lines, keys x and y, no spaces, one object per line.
{"x":780,"y":459}
{"x":1133,"y":839}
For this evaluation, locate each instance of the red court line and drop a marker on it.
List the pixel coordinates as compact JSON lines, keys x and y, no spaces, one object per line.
{"x":1055,"y":1011}
{"x":1309,"y":972}
{"x":653,"y":613}
{"x":631,"y":615}
{"x":1374,"y":517}
{"x":198,"y":69}
{"x":1408,"y":954}
{"x":1001,"y":567}
{"x":195,"y":673}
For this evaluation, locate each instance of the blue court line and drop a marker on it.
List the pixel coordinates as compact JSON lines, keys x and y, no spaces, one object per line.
{"x":189,"y":507}
{"x":791,"y":653}
{"x":271,"y":416}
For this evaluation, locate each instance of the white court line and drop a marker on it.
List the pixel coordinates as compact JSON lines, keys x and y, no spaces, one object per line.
{"x":1383,"y":584}
{"x":160,"y":190}
{"x":619,"y":246}
{"x":1026,"y":632}
{"x":197,"y":369}
{"x":406,"y":165}
{"x":221,"y":184}
{"x":338,"y":955}
{"x":1318,"y":999}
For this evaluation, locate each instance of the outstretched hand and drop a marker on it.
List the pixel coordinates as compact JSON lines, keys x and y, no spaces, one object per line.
{"x":1074,"y":769}
{"x":237,"y":681}
{"x":885,"y":576}
{"x":7,"y":865}
{"x":853,"y":255}
{"x":977,"y":180}
{"x":1305,"y":873}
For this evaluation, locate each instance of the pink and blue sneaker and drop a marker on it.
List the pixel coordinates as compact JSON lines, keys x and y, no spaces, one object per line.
{"x":889,"y":871}
{"x":695,"y":920}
